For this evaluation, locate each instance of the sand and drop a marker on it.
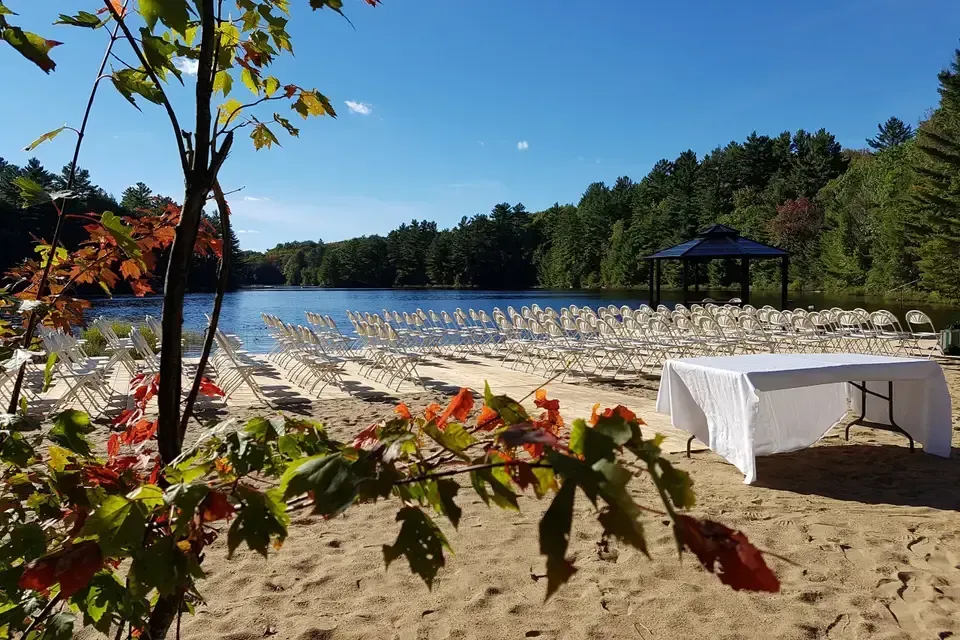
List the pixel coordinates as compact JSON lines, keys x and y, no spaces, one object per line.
{"x":873,"y":534}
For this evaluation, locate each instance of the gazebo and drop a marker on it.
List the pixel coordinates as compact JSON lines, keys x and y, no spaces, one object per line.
{"x":716,"y":242}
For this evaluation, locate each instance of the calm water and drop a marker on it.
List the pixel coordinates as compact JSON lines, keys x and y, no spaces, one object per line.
{"x":241,"y":310}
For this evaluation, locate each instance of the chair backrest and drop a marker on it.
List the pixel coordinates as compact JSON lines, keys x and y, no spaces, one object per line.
{"x":918,"y":319}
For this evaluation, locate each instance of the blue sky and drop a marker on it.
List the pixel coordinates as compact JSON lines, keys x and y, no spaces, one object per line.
{"x":466,"y":103}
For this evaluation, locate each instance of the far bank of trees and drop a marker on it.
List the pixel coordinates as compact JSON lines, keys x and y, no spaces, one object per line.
{"x":856,"y":220}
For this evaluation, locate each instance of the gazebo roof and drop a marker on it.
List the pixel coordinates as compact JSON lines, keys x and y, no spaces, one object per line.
{"x":719,"y":241}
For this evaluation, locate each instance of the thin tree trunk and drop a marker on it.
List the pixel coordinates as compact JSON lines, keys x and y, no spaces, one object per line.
{"x":222,"y":280}
{"x":34,"y":320}
{"x":174,"y":288}
{"x":204,"y":165}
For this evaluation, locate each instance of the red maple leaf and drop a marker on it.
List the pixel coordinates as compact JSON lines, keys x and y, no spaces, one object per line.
{"x":113,"y":444}
{"x":216,"y":507}
{"x":72,"y":568}
{"x":101,"y":476}
{"x":208,"y":388}
{"x":403,"y":411}
{"x":741,"y":563}
{"x":367,"y":438}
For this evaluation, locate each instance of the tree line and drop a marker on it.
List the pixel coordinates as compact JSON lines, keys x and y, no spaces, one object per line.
{"x":854,"y":220}
{"x":23,"y":224}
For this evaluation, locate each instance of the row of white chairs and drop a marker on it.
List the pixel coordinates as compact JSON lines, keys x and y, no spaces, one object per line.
{"x":623,"y":339}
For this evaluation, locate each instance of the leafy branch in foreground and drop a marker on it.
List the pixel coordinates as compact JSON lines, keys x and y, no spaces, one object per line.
{"x":72,"y":519}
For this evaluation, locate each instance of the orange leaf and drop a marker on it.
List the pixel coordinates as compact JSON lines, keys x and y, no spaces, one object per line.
{"x":113,"y":444}
{"x":459,"y":407}
{"x":594,"y":416}
{"x":621,"y":411}
{"x":488,"y":420}
{"x":117,"y":6}
{"x":403,"y":411}
{"x":140,"y":288}
{"x":541,"y":401}
{"x":431,"y":411}
{"x":130,"y":269}
{"x":222,"y":466}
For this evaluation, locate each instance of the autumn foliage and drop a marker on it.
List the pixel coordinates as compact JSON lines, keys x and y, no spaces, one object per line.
{"x":78,"y":516}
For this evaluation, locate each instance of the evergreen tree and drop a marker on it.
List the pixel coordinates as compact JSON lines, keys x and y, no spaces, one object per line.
{"x":935,"y":217}
{"x":891,"y":133}
{"x":136,"y":197}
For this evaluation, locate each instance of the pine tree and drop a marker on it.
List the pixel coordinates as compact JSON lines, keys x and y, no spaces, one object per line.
{"x":891,"y":133}
{"x":136,"y":198}
{"x":936,"y":206}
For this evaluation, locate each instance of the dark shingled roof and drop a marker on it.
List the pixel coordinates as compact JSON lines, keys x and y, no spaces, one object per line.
{"x":720,"y":241}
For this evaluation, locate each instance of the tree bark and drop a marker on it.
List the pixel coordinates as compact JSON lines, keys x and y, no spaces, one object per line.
{"x":222,"y":279}
{"x":200,"y":176}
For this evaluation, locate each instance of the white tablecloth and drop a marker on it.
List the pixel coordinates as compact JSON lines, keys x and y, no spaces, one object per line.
{"x":754,"y":405}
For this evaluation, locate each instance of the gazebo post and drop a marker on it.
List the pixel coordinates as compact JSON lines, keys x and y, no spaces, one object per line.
{"x":650,"y":278}
{"x":696,"y":279}
{"x":784,"y":280}
{"x":659,"y":274}
{"x":745,"y":280}
{"x":683,"y":281}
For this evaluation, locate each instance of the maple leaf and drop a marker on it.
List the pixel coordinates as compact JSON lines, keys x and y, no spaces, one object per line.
{"x":130,"y":269}
{"x":72,"y":568}
{"x":208,"y":388}
{"x":117,"y":6}
{"x":431,"y":411}
{"x":113,"y":444}
{"x":741,"y":563}
{"x":488,"y":420}
{"x":541,"y":401}
{"x":403,"y":411}
{"x":216,"y":507}
{"x":459,"y":407}
{"x":100,"y":476}
{"x":140,"y":287}
{"x":222,"y":466}
{"x":367,"y":438}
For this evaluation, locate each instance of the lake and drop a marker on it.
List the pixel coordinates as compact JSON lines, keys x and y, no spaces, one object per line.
{"x":241,"y":309}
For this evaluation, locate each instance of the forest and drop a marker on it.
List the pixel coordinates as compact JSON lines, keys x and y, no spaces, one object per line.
{"x":855,"y":220}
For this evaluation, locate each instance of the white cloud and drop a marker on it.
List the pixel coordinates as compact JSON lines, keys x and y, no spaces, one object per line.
{"x":187,"y":65}
{"x":523,"y":145}
{"x":359,"y":107}
{"x":480,"y":142}
{"x":254,"y":199}
{"x":247,"y":231}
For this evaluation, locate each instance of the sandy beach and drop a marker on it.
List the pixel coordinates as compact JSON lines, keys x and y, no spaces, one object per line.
{"x":869,"y":537}
{"x":872,"y":534}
